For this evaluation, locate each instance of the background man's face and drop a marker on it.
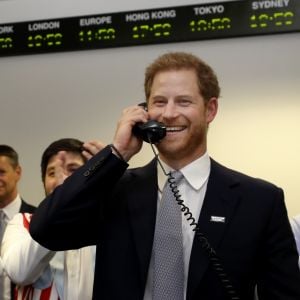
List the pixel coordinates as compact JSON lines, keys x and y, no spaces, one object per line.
{"x":57,"y":172}
{"x":9,"y":177}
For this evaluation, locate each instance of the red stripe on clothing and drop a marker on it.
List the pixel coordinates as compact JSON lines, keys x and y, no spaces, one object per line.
{"x":45,"y":295}
{"x":25,"y":221}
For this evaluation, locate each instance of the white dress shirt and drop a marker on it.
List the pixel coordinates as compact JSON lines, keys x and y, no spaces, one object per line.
{"x":71,"y":273}
{"x":192,"y":189}
{"x":295,"y":223}
{"x":10,"y":210}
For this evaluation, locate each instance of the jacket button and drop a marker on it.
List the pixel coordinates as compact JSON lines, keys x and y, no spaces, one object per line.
{"x":86,"y":173}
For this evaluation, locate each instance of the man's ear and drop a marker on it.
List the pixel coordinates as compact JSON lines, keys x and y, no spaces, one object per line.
{"x":211,"y":109}
{"x":18,"y":171}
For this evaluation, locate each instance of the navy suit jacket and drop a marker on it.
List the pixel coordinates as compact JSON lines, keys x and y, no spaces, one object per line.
{"x":105,"y":204}
{"x":25,"y":207}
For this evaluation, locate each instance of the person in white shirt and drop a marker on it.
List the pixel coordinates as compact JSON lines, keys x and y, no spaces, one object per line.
{"x":10,"y":204}
{"x":38,"y":272}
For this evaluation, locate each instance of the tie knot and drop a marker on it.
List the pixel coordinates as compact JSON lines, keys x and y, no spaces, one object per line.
{"x":177,"y":176}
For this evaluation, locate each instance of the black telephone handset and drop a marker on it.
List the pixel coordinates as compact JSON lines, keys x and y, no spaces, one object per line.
{"x":151,"y":131}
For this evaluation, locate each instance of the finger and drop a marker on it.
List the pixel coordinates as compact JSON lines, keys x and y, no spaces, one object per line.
{"x":59,"y":165}
{"x":93,"y":147}
{"x":87,"y":154}
{"x":61,"y":158}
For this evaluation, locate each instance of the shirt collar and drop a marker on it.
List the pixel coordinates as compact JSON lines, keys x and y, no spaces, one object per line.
{"x":12,"y":208}
{"x":196,"y":173}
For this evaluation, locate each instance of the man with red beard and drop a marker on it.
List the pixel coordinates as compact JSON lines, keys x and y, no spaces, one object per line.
{"x":234,"y":236}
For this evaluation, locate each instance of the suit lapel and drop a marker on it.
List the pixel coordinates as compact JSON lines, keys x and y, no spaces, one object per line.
{"x":25,"y":207}
{"x":142,"y":210}
{"x":218,"y":208}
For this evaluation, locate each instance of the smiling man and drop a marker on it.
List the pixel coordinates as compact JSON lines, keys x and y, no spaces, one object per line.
{"x":147,"y":248}
{"x":10,"y":204}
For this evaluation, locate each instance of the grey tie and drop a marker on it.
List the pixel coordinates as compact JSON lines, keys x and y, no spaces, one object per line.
{"x":168,"y":267}
{"x":2,"y":225}
{"x":3,"y":292}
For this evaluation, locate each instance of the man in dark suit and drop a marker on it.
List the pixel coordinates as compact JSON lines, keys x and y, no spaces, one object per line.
{"x":243,"y":240}
{"x":10,"y":202}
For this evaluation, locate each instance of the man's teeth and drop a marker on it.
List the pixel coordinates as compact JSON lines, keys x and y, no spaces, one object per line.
{"x":174,"y":129}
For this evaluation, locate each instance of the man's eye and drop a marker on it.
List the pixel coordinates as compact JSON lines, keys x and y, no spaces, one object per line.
{"x":184,"y":102}
{"x":72,"y":170}
{"x":159,"y":103}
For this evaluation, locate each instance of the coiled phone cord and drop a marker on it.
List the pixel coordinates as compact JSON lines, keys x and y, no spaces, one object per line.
{"x":217,"y":265}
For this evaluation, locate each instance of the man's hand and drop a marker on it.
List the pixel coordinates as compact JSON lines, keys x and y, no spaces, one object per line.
{"x":91,"y":148}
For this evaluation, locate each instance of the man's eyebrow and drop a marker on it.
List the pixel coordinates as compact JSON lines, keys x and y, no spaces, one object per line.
{"x":73,"y":164}
{"x":50,"y":168}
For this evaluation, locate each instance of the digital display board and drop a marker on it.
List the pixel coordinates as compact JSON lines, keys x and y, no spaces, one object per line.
{"x":154,"y":26}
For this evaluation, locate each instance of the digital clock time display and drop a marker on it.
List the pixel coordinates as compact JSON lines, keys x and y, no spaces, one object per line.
{"x":44,"y":40}
{"x":142,"y":27}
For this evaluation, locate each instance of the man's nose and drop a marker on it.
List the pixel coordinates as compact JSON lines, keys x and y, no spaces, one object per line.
{"x":170,"y":110}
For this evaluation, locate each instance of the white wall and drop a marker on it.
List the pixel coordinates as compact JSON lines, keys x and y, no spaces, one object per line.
{"x":81,"y":94}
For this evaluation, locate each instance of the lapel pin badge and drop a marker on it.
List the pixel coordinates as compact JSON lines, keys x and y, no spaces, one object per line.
{"x":217,"y":219}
